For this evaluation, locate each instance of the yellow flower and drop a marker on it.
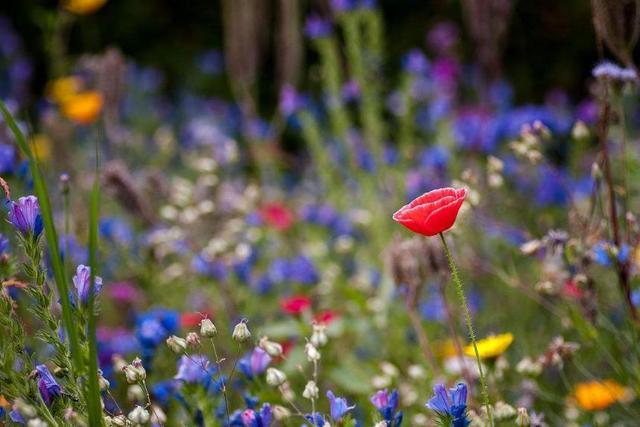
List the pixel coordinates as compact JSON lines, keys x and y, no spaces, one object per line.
{"x":59,"y":90}
{"x":84,"y":107}
{"x":490,"y":347}
{"x":599,"y":395}
{"x":41,"y":145}
{"x":83,"y":7}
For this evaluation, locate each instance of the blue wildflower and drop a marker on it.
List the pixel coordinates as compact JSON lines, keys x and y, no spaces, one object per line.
{"x":49,"y":388}
{"x":338,"y":406}
{"x":387,"y":405}
{"x":82,"y":280}
{"x":195,"y":369}
{"x":262,"y":418}
{"x":7,"y":158}
{"x":317,"y":27}
{"x":451,"y":405}
{"x":25,"y":216}
{"x":254,"y":363}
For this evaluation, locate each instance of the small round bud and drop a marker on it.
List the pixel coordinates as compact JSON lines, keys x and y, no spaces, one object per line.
{"x":273,"y":349}
{"x":193,"y":339}
{"x":158,"y":417}
{"x":139,"y":416}
{"x":522,"y":419}
{"x":275,"y":377}
{"x":319,"y":337}
{"x":311,"y":391}
{"x":208,"y":329}
{"x":118,"y":363}
{"x":135,"y":393}
{"x":280,"y":412}
{"x":313,"y":355}
{"x":176,"y":344}
{"x":135,"y":372}
{"x":241,"y":332}
{"x":119,"y":421}
{"x":37,"y":422}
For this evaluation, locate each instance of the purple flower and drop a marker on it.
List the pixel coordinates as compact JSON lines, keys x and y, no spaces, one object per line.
{"x":263,"y":418}
{"x":317,"y":27}
{"x":338,"y":406}
{"x":82,"y":281}
{"x":49,"y":388}
{"x":387,"y":404}
{"x":25,"y":216}
{"x":290,"y":101}
{"x":254,"y":363}
{"x":194,"y":369}
{"x":452,"y":404}
{"x":415,"y":62}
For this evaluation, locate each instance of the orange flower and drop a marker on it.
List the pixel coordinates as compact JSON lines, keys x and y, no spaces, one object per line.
{"x":83,"y":7}
{"x":83,"y":108}
{"x":599,"y":395}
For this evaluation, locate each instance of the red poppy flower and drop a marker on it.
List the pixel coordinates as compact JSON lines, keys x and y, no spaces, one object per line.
{"x":325,"y":317}
{"x":433,"y":212}
{"x":277,"y":216}
{"x":191,"y":319}
{"x":296,"y":304}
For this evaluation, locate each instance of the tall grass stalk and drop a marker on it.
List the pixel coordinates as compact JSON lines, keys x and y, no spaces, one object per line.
{"x":467,"y":317}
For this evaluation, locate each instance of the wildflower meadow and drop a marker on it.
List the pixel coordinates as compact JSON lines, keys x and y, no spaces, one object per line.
{"x":319,"y":213}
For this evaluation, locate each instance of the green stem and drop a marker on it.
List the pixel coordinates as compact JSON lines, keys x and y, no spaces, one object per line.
{"x":467,"y":316}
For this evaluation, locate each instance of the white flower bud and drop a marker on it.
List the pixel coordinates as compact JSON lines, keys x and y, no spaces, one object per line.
{"x":135,"y":372}
{"x":319,"y":337}
{"x":275,"y":377}
{"x":119,"y":421}
{"x":139,"y":416}
{"x":311,"y":391}
{"x":280,"y":412}
{"x":273,"y":349}
{"x":503,"y":411}
{"x":241,"y":332}
{"x":522,"y":419}
{"x":135,"y":393}
{"x":158,"y":417}
{"x":313,"y":355}
{"x":207,"y":328}
{"x":176,"y":344}
{"x":36,"y":422}
{"x":193,"y":340}
{"x":118,"y":363}
{"x":381,"y":424}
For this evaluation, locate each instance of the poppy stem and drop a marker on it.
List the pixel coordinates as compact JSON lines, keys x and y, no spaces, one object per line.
{"x":472,"y":335}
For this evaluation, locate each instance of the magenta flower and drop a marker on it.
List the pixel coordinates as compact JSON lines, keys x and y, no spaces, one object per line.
{"x":25,"y":216}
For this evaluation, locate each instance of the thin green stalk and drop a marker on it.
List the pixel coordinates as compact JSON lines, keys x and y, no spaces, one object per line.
{"x":472,"y":335}
{"x":40,"y":188}
{"x":93,"y":395}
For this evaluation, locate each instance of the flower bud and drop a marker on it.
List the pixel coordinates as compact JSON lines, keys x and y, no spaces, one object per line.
{"x":36,"y":422}
{"x":275,"y":377}
{"x":176,"y":344}
{"x":135,"y":393}
{"x":313,"y":355}
{"x":119,"y":421}
{"x":503,"y":411}
{"x":207,"y":328}
{"x":158,"y":417}
{"x":273,"y":349}
{"x":522,"y":419}
{"x":193,"y":339}
{"x":311,"y":391}
{"x":241,"y":332}
{"x":280,"y":412}
{"x":319,"y":337}
{"x":580,"y":131}
{"x":135,"y":372}
{"x":139,"y":416}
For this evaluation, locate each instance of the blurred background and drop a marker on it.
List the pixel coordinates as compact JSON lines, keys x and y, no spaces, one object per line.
{"x":544,"y":44}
